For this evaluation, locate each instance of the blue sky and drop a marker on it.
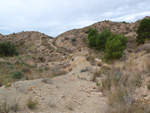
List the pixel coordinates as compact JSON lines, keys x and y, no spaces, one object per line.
{"x":53,"y":17}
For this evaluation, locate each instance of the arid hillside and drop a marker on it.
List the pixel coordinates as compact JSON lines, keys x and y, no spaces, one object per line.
{"x":64,"y":75}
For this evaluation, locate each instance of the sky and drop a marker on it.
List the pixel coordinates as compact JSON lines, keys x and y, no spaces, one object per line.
{"x":54,"y":17}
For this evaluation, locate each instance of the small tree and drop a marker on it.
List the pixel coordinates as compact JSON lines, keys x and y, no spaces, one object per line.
{"x":101,"y":39}
{"x":143,"y":31}
{"x":115,"y":46}
{"x":7,"y":49}
{"x":92,"y":37}
{"x":92,"y":41}
{"x":92,"y":32}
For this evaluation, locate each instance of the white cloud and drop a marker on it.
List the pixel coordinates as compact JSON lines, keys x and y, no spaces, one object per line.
{"x":54,"y":17}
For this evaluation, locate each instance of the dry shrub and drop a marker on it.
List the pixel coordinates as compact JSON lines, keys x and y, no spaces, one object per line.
{"x":31,"y":103}
{"x":118,"y":87}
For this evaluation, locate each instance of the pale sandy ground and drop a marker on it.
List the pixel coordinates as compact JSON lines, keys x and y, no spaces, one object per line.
{"x":64,"y":94}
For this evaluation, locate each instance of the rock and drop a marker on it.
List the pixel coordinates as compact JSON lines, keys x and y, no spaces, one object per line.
{"x":31,"y":88}
{"x":98,"y":62}
{"x":94,"y":87}
{"x":61,"y":96}
{"x":47,"y":81}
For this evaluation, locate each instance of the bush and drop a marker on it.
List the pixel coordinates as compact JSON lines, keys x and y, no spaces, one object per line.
{"x":18,"y":75}
{"x":73,"y":40}
{"x":143,"y":31}
{"x":7,"y":49}
{"x":98,"y":40}
{"x":115,"y":46}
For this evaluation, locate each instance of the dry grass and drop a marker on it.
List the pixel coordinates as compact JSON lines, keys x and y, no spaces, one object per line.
{"x":31,"y":103}
{"x":118,"y":86}
{"x":6,"y":107}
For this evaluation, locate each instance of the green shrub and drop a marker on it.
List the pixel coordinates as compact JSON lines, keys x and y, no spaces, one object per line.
{"x":143,"y":31}
{"x":115,"y":46}
{"x":98,"y":40}
{"x":101,"y":39}
{"x":92,"y":37}
{"x":125,"y":22}
{"x":17,"y":75}
{"x":7,"y":49}
{"x":73,"y":40}
{"x":92,"y":41}
{"x":92,"y":32}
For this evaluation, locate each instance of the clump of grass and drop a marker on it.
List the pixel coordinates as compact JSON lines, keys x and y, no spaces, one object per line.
{"x":96,"y":74}
{"x":111,"y":80}
{"x":18,"y":75}
{"x":32,"y":104}
{"x":119,"y":96}
{"x":4,"y":107}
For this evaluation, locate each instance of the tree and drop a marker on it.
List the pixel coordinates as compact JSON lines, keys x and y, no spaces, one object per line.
{"x":112,"y":44}
{"x":143,"y":31}
{"x":115,"y":46}
{"x":92,"y":32}
{"x":101,"y":39}
{"x":92,"y":37}
{"x":7,"y":49}
{"x":92,"y":41}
